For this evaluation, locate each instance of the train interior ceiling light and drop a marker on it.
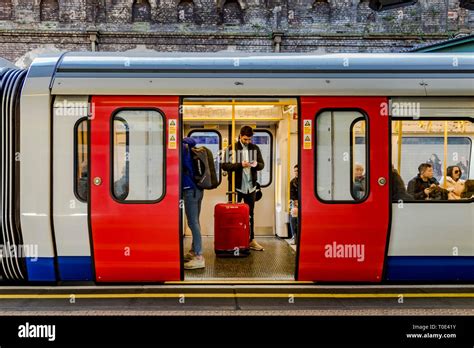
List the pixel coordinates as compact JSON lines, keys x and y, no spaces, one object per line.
{"x":382,"y":5}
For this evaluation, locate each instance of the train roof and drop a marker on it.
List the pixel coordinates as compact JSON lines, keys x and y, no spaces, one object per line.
{"x":232,"y":73}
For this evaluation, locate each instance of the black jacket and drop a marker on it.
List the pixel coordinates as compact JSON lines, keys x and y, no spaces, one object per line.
{"x":398,"y":188}
{"x":416,"y":187}
{"x":294,"y":189}
{"x":254,"y":155}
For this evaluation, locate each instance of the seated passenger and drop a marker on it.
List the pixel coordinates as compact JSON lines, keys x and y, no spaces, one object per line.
{"x":358,"y":186}
{"x":82,"y":184}
{"x":468,"y":191}
{"x":454,"y":184}
{"x":399,"y":191}
{"x":422,"y":185}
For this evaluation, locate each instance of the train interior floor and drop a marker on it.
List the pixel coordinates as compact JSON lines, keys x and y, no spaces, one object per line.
{"x":276,"y":262}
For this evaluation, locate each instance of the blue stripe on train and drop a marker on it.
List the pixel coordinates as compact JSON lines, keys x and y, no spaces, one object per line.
{"x":41,"y":269}
{"x":70,"y":268}
{"x":436,"y":268}
{"x":75,"y":267}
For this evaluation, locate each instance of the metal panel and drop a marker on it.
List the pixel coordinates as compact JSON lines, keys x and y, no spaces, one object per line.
{"x":432,"y":107}
{"x":90,"y":64}
{"x":134,"y":241}
{"x":278,"y":74}
{"x":35,"y":168}
{"x":70,"y":215}
{"x":432,"y":229}
{"x":344,"y":240}
{"x":249,"y":87}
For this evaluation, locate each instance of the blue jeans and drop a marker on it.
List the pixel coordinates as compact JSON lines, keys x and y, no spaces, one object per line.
{"x":192,"y":207}
{"x":294,"y":226}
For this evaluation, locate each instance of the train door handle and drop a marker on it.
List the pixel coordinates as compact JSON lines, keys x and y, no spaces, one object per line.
{"x":382,"y":181}
{"x":97,"y":181}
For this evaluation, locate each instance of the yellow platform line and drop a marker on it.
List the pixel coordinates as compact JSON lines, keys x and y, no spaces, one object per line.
{"x":232,"y":295}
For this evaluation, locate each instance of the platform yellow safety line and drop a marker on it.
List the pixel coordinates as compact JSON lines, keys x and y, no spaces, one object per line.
{"x":232,"y":295}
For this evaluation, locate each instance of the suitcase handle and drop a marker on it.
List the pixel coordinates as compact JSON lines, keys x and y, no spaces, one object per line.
{"x":230,"y":193}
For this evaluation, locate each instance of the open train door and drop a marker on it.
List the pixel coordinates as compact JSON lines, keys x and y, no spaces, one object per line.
{"x":344,"y":193}
{"x":134,"y":188}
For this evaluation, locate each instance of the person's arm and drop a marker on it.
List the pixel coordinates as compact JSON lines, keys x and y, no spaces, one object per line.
{"x":260,"y":163}
{"x":411,"y":191}
{"x":293,"y":191}
{"x":227,"y":165}
{"x":187,"y":160}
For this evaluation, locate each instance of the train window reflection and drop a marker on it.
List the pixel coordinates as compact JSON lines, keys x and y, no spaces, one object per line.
{"x":264,"y":141}
{"x":212,"y":140}
{"x":138,"y":155}
{"x":341,"y":156}
{"x":81,"y":160}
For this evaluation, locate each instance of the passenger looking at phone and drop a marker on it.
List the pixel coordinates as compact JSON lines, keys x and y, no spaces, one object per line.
{"x":249,"y":160}
{"x":424,"y":184}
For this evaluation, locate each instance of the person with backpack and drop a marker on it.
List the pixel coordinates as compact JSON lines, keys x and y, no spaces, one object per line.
{"x":249,"y":160}
{"x":192,"y":195}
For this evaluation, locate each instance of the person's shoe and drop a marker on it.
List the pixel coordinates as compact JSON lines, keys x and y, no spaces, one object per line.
{"x":189,"y":256}
{"x":195,"y":263}
{"x":255,"y":246}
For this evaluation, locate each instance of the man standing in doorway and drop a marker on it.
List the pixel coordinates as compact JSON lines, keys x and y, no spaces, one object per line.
{"x":294,"y":206}
{"x":248,"y":162}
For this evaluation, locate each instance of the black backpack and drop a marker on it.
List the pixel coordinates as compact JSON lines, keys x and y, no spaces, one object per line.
{"x":204,"y":169}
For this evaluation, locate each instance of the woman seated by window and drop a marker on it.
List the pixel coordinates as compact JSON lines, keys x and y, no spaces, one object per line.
{"x":454,"y":184}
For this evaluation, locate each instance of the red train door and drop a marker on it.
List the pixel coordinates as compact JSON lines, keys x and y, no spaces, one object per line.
{"x":344,"y":188}
{"x":134,"y":193}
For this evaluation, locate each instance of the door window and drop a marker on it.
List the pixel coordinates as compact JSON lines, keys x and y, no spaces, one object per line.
{"x":264,"y":141}
{"x":212,"y":140}
{"x":138,"y":155}
{"x":341,"y":156}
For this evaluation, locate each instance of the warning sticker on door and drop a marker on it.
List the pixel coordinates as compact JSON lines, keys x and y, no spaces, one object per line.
{"x":307,"y":133}
{"x":307,"y":126}
{"x":172,"y":133}
{"x":307,"y":144}
{"x":172,"y":142}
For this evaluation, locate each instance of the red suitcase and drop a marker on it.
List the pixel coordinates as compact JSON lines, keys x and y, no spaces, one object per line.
{"x":231,"y":229}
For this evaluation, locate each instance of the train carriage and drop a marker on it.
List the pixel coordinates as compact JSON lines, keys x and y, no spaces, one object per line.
{"x":91,"y":175}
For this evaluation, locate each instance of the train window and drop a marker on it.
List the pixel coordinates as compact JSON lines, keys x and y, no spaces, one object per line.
{"x":138,"y":156}
{"x":341,"y":156}
{"x":441,"y":147}
{"x":81,"y":160}
{"x":212,"y":140}
{"x":264,"y":140}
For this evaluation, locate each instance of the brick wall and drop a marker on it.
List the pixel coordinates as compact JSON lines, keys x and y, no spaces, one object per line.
{"x":29,"y":27}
